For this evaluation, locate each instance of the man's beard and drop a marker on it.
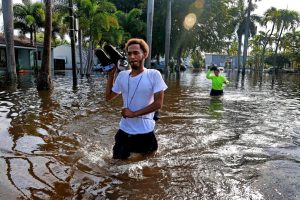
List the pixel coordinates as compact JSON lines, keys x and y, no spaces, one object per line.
{"x":136,"y":65}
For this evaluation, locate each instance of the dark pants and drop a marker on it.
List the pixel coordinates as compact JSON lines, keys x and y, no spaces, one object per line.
{"x":126,"y":143}
{"x":216,"y":92}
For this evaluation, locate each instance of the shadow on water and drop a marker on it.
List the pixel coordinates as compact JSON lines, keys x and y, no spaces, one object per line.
{"x":57,"y":144}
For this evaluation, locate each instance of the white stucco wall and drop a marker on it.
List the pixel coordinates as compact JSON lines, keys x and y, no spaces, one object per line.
{"x":64,"y":52}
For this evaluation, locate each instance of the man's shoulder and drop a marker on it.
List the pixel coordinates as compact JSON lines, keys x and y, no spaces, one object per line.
{"x":124,"y":73}
{"x":153,"y":71}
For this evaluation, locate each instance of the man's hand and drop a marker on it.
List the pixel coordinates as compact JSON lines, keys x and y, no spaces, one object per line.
{"x":127,"y":113}
{"x":213,"y":68}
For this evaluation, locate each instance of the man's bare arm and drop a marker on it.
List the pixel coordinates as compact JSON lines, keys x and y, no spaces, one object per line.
{"x":109,"y":94}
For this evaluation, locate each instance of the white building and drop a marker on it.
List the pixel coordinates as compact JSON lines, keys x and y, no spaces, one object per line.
{"x":221,"y":60}
{"x":64,"y":52}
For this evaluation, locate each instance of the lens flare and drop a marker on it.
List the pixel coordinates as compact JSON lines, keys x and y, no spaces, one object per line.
{"x":199,"y":4}
{"x":189,"y":21}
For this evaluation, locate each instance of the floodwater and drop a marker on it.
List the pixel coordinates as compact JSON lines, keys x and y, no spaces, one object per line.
{"x":246,"y":145}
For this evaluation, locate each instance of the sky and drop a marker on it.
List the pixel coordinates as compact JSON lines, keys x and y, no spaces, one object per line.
{"x":263,"y":5}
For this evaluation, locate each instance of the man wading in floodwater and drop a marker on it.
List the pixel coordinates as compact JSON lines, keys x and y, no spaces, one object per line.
{"x":142,"y":92}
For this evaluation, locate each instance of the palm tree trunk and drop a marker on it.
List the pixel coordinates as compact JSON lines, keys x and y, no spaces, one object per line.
{"x":73,"y":49}
{"x":44,"y":79}
{"x":80,"y":51}
{"x":264,"y":49}
{"x":150,"y":13}
{"x":179,"y":54}
{"x":35,"y":51}
{"x":239,"y":53}
{"x":31,"y":36}
{"x":89,"y":55}
{"x":167,"y":40}
{"x":276,"y":49}
{"x":7,"y":8}
{"x":92,"y":58}
{"x":246,"y":37}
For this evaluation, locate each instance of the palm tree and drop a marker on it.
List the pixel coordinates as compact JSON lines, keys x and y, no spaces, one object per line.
{"x":248,"y":25}
{"x":131,"y":23}
{"x":60,"y":25}
{"x":7,"y":8}
{"x":287,"y":20}
{"x":44,"y":79}
{"x":270,"y":16}
{"x":97,"y":20}
{"x":257,"y":47}
{"x":291,"y":44}
{"x":238,"y":22}
{"x":242,"y":30}
{"x":28,"y":18}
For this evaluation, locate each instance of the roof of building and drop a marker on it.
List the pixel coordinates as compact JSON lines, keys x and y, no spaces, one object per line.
{"x":19,"y":42}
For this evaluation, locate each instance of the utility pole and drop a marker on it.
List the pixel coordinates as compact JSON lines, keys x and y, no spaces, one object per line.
{"x":72,"y":37}
{"x":167,"y":37}
{"x":150,"y":12}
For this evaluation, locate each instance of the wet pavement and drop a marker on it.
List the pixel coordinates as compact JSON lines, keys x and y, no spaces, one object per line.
{"x":245,"y":145}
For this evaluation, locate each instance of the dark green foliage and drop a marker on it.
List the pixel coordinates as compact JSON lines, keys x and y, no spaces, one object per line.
{"x":213,"y":27}
{"x":281,"y":60}
{"x":128,"y":5}
{"x":131,"y":24}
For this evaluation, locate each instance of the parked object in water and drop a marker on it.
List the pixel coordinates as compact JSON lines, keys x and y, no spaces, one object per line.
{"x":160,"y":66}
{"x":270,"y":70}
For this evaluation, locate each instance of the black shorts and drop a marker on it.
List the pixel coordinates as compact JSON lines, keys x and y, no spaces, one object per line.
{"x":126,"y":143}
{"x":216,"y":92}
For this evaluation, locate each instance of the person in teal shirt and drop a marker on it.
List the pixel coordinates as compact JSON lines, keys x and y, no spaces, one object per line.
{"x":217,"y":81}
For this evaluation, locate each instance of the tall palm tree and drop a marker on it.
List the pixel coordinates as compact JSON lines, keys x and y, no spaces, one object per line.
{"x":7,"y":8}
{"x":28,"y":18}
{"x":44,"y":78}
{"x":238,"y":22}
{"x":270,"y":16}
{"x":241,"y":31}
{"x":249,"y":22}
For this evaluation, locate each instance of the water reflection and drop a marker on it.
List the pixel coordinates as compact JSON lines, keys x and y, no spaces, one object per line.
{"x":245,"y":145}
{"x":216,"y":107}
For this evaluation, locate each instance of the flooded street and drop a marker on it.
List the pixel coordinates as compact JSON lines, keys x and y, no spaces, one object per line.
{"x":246,"y":145}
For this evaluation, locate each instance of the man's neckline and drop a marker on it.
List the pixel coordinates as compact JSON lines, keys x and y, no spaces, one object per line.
{"x":132,"y":76}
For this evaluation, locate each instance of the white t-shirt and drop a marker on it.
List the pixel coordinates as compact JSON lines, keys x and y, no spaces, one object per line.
{"x":137,"y":93}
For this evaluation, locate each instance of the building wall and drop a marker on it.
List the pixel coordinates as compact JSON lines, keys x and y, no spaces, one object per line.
{"x":221,"y":60}
{"x":40,"y":57}
{"x":64,"y":52}
{"x":24,"y":59}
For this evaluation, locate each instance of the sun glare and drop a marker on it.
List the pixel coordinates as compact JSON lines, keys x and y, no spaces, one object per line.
{"x":189,"y":21}
{"x":199,"y":4}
